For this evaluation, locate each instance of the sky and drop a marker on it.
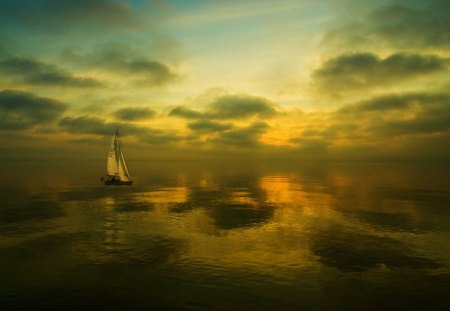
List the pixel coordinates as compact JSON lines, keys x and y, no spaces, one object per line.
{"x":283,"y":80}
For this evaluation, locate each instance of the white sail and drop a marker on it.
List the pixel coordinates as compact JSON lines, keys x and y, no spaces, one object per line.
{"x":123,"y":170}
{"x":116,"y":165}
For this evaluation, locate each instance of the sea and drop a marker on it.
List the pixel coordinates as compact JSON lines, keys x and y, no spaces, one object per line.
{"x":216,"y":235}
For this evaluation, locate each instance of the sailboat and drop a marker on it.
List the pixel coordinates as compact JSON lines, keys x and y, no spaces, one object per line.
{"x":116,"y":168}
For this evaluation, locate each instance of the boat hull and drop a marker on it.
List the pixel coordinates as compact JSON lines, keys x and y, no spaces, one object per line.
{"x":118,"y":182}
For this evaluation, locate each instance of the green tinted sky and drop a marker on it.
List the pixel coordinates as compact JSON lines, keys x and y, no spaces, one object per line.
{"x":199,"y":79}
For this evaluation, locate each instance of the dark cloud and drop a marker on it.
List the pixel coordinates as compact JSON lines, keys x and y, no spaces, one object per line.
{"x":91,"y":125}
{"x":405,"y":25}
{"x":134,"y":113}
{"x":411,"y":24}
{"x":65,"y":16}
{"x":229,"y":107}
{"x":161,"y":71}
{"x":246,"y":137}
{"x":241,"y":106}
{"x":23,"y":110}
{"x":94,"y":125}
{"x":361,"y":71}
{"x":377,"y":104}
{"x":205,"y":126}
{"x":152,"y":72}
{"x":97,"y":126}
{"x":395,"y":102}
{"x":432,"y":120}
{"x":121,"y":59}
{"x":32,"y":71}
{"x":186,"y":113}
{"x":420,"y":113}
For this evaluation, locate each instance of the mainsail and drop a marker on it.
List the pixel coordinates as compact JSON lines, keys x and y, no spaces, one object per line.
{"x":115,"y":165}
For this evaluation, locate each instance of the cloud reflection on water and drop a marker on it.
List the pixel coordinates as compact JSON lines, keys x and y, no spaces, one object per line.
{"x":208,"y":228}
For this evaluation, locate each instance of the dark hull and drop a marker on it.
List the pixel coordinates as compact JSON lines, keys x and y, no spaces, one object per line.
{"x":118,"y":183}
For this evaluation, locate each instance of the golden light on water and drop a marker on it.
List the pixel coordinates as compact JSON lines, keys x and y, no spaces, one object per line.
{"x":164,"y":196}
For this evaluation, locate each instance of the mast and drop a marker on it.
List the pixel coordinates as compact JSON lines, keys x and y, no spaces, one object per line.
{"x":117,"y":151}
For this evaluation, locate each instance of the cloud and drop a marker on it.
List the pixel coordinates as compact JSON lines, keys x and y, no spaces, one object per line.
{"x":120,"y":59}
{"x":246,"y":137}
{"x":205,"y":126}
{"x":361,"y":71}
{"x":134,"y":114}
{"x":97,"y":126}
{"x":56,"y":16}
{"x":378,"y":104}
{"x":229,"y":107}
{"x":393,"y":126}
{"x":431,"y":120}
{"x":405,"y":25}
{"x":152,"y":72}
{"x":34,"y":72}
{"x":186,"y":113}
{"x":398,"y":25}
{"x":396,"y":102}
{"x":94,"y":125}
{"x":241,"y":106}
{"x":405,"y":114}
{"x":23,"y":110}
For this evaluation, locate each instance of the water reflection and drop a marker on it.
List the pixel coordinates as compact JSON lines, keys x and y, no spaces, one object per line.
{"x":190,"y":235}
{"x":353,"y":251}
{"x":393,"y":221}
{"x":228,"y":208}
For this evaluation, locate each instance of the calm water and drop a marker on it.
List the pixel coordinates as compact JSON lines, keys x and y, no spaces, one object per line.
{"x":202,"y":236}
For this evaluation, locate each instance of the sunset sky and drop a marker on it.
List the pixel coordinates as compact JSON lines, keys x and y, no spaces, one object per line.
{"x":324,"y":79}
